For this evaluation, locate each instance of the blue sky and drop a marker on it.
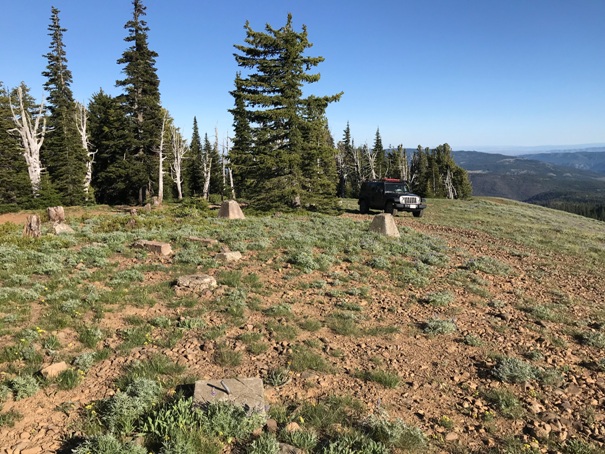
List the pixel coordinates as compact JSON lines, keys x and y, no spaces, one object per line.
{"x":471,"y":73}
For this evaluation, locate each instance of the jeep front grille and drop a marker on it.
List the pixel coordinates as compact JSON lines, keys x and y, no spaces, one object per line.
{"x":409,"y":200}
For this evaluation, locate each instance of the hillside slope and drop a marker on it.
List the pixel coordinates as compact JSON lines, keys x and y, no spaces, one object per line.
{"x":592,"y":160}
{"x":483,"y":325}
{"x":522,"y":179}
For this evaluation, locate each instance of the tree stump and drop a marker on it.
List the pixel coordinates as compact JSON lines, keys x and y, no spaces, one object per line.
{"x":32,"y":226}
{"x":56,"y":214}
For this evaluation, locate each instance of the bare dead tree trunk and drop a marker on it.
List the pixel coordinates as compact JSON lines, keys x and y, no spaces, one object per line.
{"x":32,"y":226}
{"x":229,"y":171}
{"x":161,"y":162}
{"x":402,"y":163}
{"x":56,"y":214}
{"x":371,"y":157}
{"x":179,"y":149}
{"x":81,"y":121}
{"x":449,"y":185}
{"x":32,"y":137}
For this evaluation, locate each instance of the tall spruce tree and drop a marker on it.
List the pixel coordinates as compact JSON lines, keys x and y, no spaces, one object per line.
{"x":380,"y":160}
{"x":284,"y":126}
{"x":141,"y":100}
{"x":195,"y":174}
{"x":62,"y":151}
{"x":111,"y":137}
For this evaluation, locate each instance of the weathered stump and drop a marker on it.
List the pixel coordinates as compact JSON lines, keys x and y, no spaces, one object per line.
{"x":56,"y":214}
{"x":32,"y":226}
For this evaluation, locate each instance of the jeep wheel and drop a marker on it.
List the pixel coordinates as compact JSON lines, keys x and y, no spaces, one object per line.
{"x":389,"y":208}
{"x":363,"y":207}
{"x":417,"y":214}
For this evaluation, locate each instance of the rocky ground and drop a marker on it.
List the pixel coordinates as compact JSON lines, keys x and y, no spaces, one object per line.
{"x":446,"y":380}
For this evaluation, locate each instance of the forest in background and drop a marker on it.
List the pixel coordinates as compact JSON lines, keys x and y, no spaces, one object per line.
{"x":126,"y":149}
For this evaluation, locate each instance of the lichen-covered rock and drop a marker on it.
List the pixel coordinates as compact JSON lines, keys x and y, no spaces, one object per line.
{"x":195,"y":283}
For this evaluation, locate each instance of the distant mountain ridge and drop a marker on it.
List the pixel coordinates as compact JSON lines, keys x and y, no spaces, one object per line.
{"x":592,"y":159}
{"x":520,"y":178}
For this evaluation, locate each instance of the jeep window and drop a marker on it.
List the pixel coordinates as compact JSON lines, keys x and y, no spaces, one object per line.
{"x":399,"y":188}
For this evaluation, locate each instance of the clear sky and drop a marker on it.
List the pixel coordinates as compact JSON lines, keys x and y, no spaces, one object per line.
{"x":470,"y":73}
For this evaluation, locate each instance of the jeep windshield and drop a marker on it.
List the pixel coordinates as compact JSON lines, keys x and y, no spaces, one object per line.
{"x":398,"y":188}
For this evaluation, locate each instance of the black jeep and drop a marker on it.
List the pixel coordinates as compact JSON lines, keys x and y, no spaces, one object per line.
{"x":390,"y":195}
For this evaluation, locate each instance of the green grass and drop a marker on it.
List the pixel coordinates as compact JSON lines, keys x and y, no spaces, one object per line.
{"x":313,"y":288}
{"x":383,"y":377}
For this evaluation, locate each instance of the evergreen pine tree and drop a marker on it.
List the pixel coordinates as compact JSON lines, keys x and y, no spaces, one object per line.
{"x":15,"y":187}
{"x":141,"y":101}
{"x":241,"y":155}
{"x":195,"y":173}
{"x":282,"y":123}
{"x":62,"y":151}
{"x":216,"y":170}
{"x":378,"y":151}
{"x":111,"y":137}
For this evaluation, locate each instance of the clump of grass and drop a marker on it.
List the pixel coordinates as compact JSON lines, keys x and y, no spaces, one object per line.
{"x":254,"y":343}
{"x":69,"y":379}
{"x":488,"y":265}
{"x":505,"y":402}
{"x":514,"y":370}
{"x":344,"y":324}
{"x":9,"y":418}
{"x":90,"y":336}
{"x":472,"y":340}
{"x":107,"y":444}
{"x":394,"y":433}
{"x":227,"y":357}
{"x":310,"y":325}
{"x":282,"y":331}
{"x":302,"y":358}
{"x":438,"y":326}
{"x":385,"y":378}
{"x":592,"y":338}
{"x":157,"y":368}
{"x":439,"y":299}
{"x":230,"y":278}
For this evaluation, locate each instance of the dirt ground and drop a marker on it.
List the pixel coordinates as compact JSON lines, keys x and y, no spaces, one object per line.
{"x":441,"y":376}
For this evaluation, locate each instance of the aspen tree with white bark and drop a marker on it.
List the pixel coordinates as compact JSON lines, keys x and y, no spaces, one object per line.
{"x":206,"y":167}
{"x":82,"y":126}
{"x":31,"y":132}
{"x":179,"y":150}
{"x":370,"y":155}
{"x":161,"y":159}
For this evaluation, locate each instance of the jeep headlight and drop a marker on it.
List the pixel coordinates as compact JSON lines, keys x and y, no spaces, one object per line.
{"x":402,"y":200}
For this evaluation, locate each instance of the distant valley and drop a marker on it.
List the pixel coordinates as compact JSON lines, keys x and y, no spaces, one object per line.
{"x":570,"y":180}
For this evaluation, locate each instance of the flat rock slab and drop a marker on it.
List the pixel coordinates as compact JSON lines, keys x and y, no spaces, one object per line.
{"x":54,"y":370}
{"x":230,"y":209}
{"x":195,"y":283}
{"x":247,"y":392}
{"x":230,"y":256}
{"x":385,"y":224}
{"x":204,"y":241}
{"x":157,"y":247}
{"x":62,"y":229}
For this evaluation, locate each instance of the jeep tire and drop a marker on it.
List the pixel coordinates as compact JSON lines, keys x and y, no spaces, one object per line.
{"x":417,"y":214}
{"x":364,"y":206}
{"x":389,"y":208}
